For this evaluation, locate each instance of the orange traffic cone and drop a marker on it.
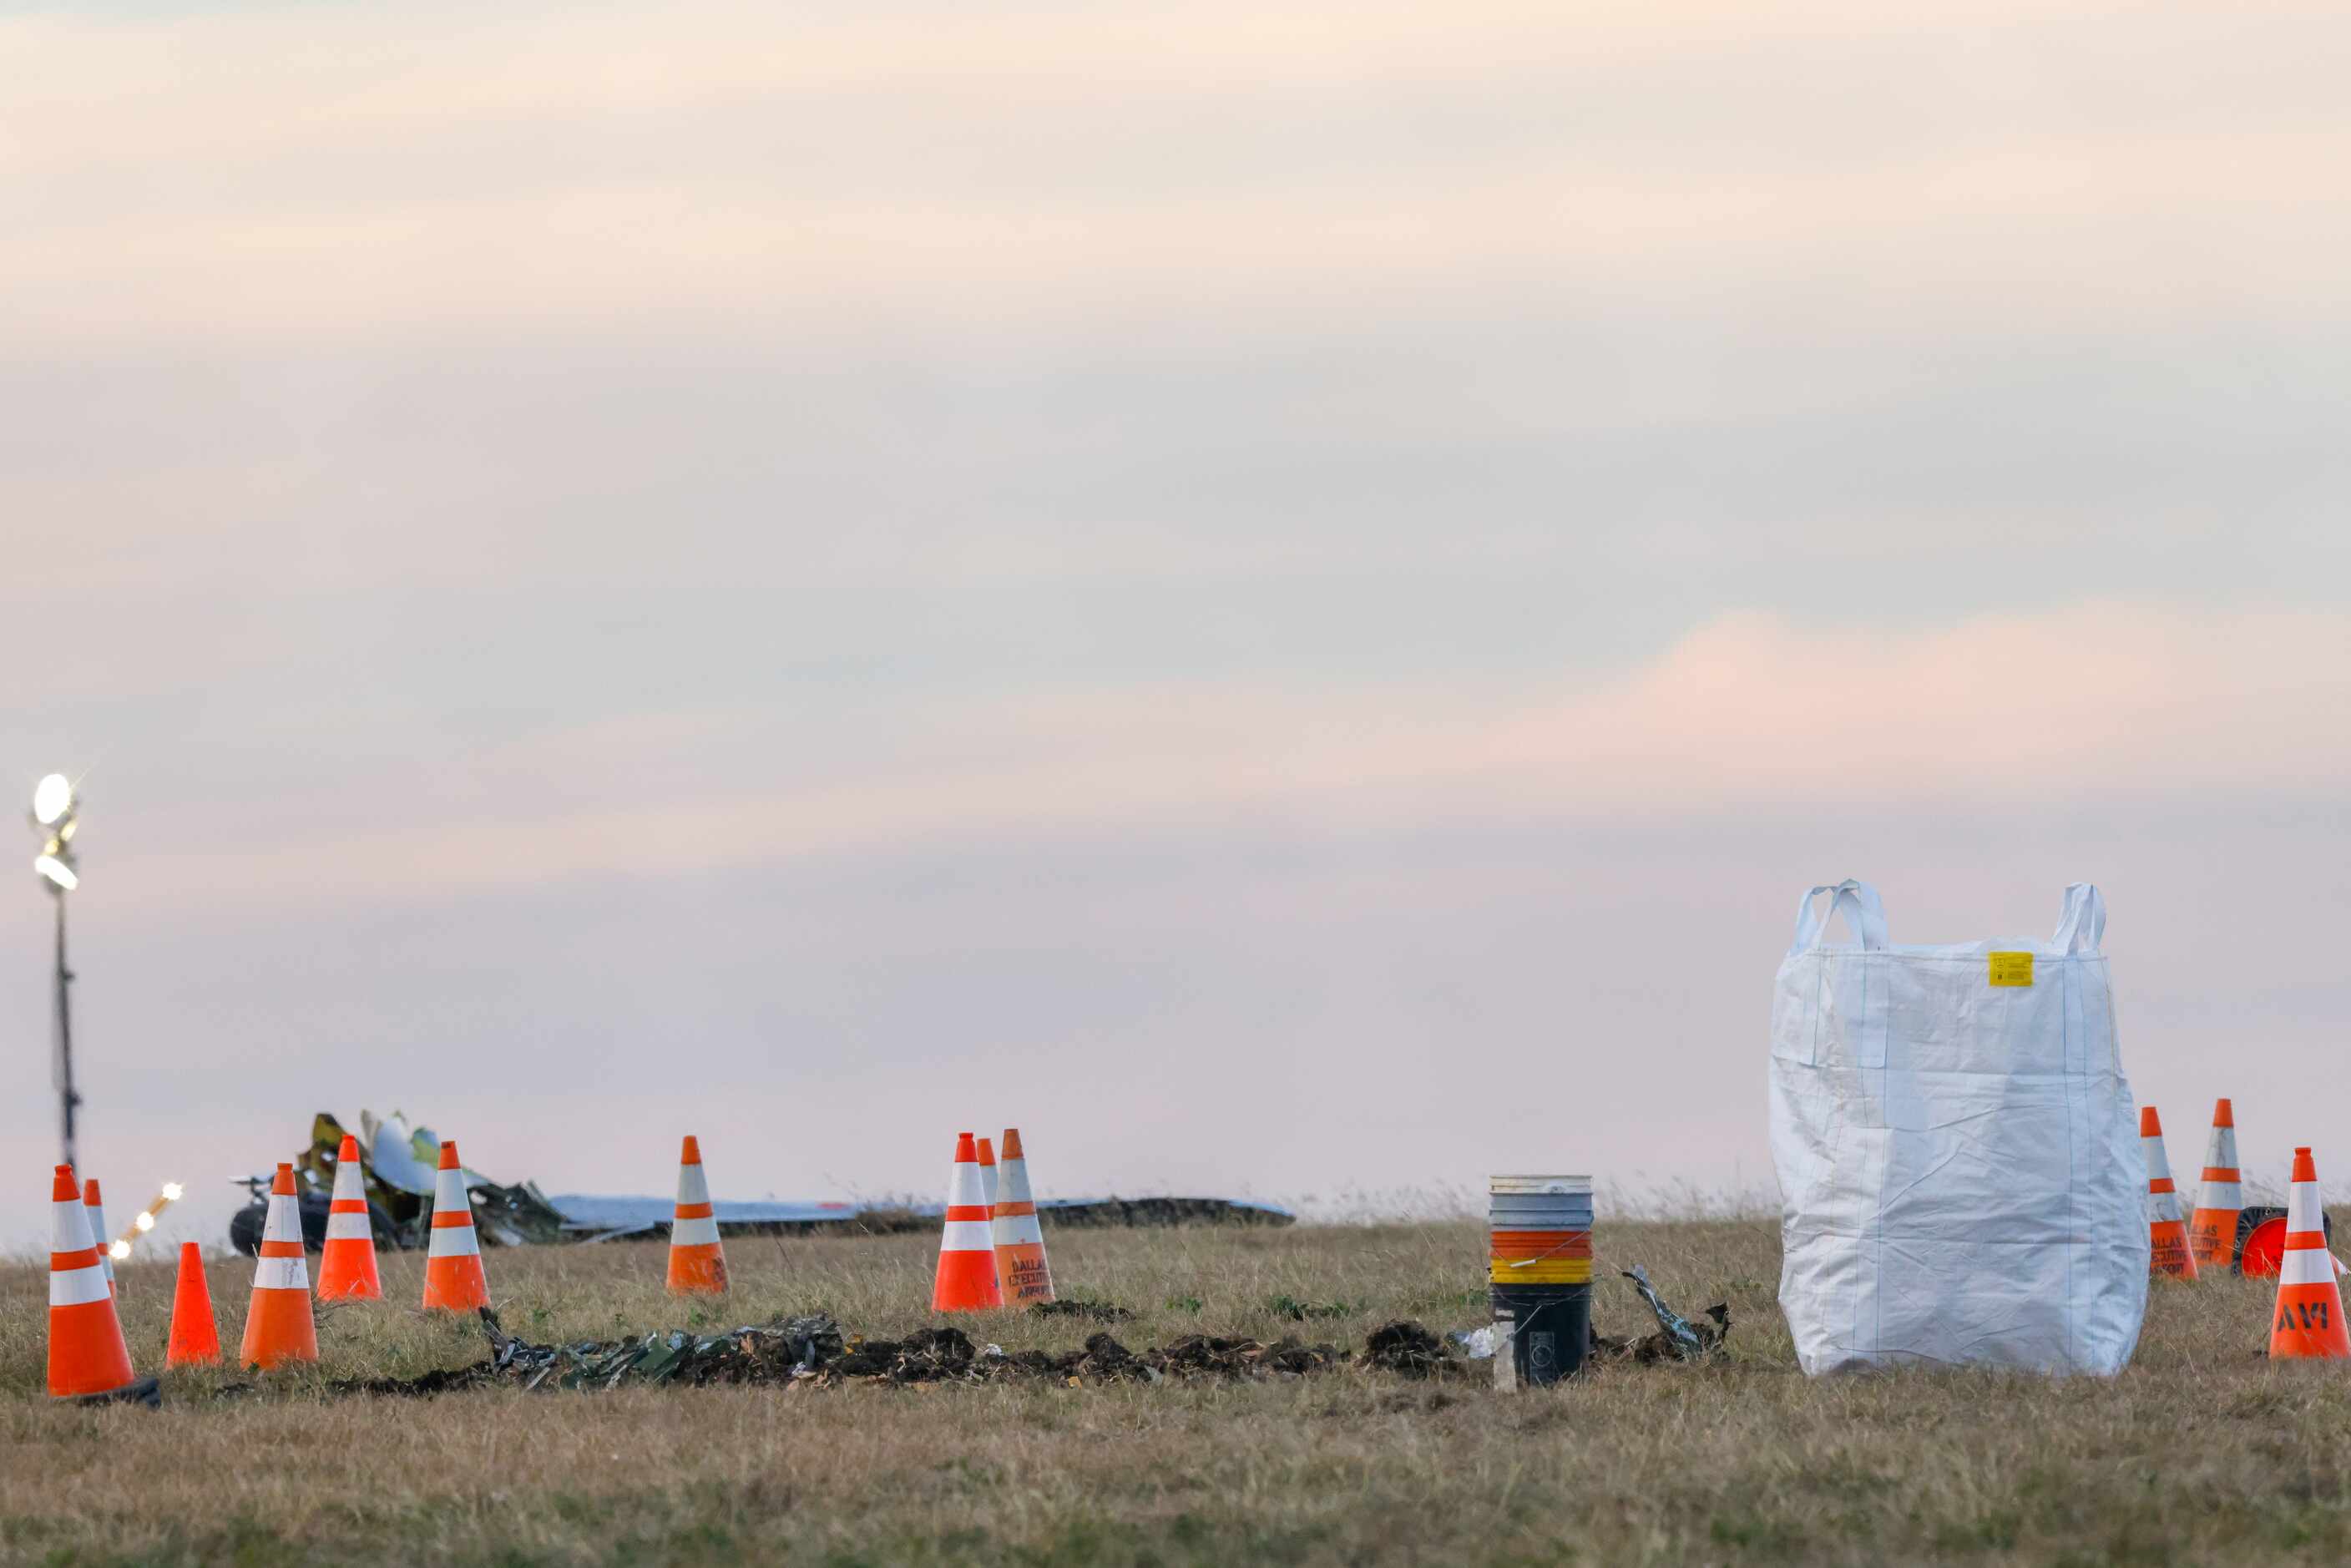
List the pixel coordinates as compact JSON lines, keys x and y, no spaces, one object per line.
{"x":988,"y":1197}
{"x":2212,"y":1228}
{"x":195,"y":1338}
{"x":97,"y":1208}
{"x":966,"y":1279}
{"x":697,"y":1264}
{"x":988,"y":1173}
{"x":278,"y":1327}
{"x":2308,"y":1323}
{"x":347,"y":1264}
{"x":453,"y":1280}
{"x":87,"y":1353}
{"x":2166,"y":1232}
{"x":1020,"y":1243}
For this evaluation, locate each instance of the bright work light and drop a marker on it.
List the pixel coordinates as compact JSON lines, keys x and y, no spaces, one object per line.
{"x":52,"y":799}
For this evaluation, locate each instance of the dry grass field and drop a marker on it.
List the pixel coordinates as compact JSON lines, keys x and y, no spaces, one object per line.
{"x":2202,"y":1452}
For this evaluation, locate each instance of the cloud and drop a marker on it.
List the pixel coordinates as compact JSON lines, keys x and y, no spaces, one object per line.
{"x":2092,"y":702}
{"x":359,"y":174}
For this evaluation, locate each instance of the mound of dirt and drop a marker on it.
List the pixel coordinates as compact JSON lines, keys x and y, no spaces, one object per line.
{"x":1406,"y":1348}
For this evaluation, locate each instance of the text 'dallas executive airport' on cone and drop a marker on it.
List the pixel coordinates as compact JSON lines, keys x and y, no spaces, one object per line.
{"x":1021,"y":1269}
{"x":86,"y":1353}
{"x":2307,"y":1324}
{"x":2219,"y":1195}
{"x":697,"y":1263}
{"x":195,"y":1332}
{"x":347,"y":1269}
{"x":279,"y":1326}
{"x":967,"y":1277}
{"x":453,"y":1280}
{"x":2166,"y":1232}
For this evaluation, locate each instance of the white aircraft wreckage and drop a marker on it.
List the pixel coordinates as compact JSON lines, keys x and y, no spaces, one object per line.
{"x":401,"y":1160}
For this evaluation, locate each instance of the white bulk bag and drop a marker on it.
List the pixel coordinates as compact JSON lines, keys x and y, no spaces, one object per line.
{"x":1961,"y":1175}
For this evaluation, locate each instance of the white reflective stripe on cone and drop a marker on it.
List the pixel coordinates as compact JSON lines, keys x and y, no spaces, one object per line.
{"x":97,"y":1237}
{"x":348,"y":1227}
{"x":449,"y":1192}
{"x":1017,"y":1229}
{"x":2301,"y":1207}
{"x":284,"y":1221}
{"x":2157,"y":1163}
{"x":963,"y":1187}
{"x":453,"y":1242}
{"x":2306,"y":1266}
{"x":68,"y":1226}
{"x":693,"y":1184}
{"x":2222,"y":1194}
{"x":966,"y":1236}
{"x":347,"y":1181}
{"x":1012,"y":1180}
{"x":76,"y":1287}
{"x":693,"y":1232}
{"x":282,"y":1274}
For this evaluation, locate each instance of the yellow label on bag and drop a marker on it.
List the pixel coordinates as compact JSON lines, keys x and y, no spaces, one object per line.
{"x":2011,"y":969}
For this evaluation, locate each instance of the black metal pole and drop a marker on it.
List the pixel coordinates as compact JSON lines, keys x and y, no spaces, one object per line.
{"x":67,"y":1098}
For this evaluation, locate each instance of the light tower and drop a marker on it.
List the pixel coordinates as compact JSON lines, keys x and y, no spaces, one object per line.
{"x":56,"y":814}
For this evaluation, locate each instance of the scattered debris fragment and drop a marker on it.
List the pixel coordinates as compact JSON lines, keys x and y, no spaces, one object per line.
{"x":1071,"y":1307}
{"x":814,"y":1350}
{"x":794,"y":1348}
{"x":1478,"y":1344}
{"x":1676,"y":1339}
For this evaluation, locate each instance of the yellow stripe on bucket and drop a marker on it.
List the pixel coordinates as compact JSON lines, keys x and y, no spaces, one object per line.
{"x":1549,"y":1271}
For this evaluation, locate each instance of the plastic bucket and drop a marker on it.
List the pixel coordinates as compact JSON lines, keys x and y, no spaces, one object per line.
{"x":1550,"y":1330}
{"x":1538,"y":1213}
{"x":1527,"y":1243}
{"x":1540,"y":1184}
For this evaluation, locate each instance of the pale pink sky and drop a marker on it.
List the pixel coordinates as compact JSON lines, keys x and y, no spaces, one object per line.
{"x":1203,"y":581}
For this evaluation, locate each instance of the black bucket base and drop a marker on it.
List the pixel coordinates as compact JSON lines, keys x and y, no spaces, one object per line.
{"x":1552,"y":1329}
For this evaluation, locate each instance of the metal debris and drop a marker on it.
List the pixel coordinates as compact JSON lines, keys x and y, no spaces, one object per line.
{"x":1676,"y":1339}
{"x":814,"y":1350}
{"x":778,"y":1352}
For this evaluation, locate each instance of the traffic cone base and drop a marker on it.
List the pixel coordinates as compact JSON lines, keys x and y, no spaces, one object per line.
{"x":1021,"y":1268}
{"x":2307,"y":1323}
{"x":279,"y":1327}
{"x":2168,"y":1249}
{"x":2219,"y":1195}
{"x":966,"y":1276}
{"x":195,"y":1336}
{"x":697,"y":1262}
{"x":347,"y":1269}
{"x":87,"y":1351}
{"x":453,"y":1280}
